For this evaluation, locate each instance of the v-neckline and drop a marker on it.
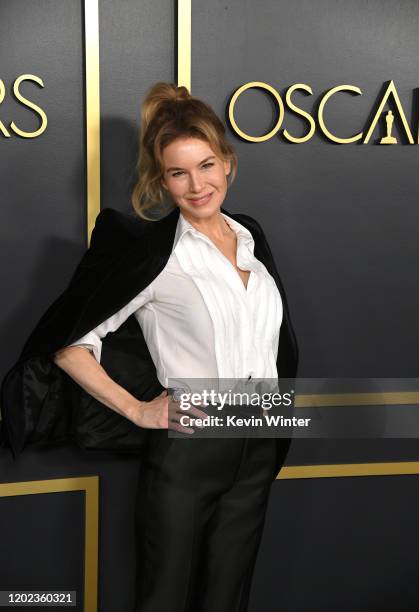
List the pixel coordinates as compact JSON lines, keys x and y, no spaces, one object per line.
{"x":240,"y":278}
{"x":245,"y":287}
{"x":232,"y":265}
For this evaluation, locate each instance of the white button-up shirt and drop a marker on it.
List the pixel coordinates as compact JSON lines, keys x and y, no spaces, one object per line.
{"x":198,"y":318}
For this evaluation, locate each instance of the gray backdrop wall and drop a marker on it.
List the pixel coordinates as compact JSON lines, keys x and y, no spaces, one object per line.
{"x":341,"y":220}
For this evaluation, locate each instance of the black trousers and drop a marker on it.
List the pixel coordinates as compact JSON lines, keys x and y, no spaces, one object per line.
{"x":199,"y":520}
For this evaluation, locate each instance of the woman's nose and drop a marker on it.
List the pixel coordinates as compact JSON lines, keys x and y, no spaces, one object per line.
{"x":195,"y":182}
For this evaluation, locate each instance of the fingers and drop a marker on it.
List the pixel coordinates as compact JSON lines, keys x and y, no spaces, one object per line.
{"x":183,"y":420}
{"x":200,"y":414}
{"x":181,"y":428}
{"x":176,"y":412}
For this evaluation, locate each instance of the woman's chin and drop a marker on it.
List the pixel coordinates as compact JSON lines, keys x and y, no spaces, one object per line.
{"x":203,"y":210}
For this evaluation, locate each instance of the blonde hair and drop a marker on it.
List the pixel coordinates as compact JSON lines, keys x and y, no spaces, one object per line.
{"x":169,"y":112}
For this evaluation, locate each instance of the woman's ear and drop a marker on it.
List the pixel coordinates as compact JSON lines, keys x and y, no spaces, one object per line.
{"x":227,"y":167}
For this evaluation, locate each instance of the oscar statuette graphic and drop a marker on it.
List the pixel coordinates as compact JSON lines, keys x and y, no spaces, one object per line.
{"x":389,"y":139}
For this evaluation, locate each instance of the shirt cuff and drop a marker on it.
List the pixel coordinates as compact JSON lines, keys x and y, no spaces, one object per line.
{"x":92,"y":343}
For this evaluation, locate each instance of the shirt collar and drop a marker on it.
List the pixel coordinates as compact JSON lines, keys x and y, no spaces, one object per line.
{"x":244,"y":236}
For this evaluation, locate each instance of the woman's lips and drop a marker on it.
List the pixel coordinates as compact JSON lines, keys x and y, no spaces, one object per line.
{"x":200,"y":201}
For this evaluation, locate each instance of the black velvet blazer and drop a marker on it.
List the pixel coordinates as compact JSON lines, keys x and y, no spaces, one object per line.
{"x":42,"y":405}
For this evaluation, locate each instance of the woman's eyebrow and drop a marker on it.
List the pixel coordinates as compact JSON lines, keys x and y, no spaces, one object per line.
{"x":203,"y":161}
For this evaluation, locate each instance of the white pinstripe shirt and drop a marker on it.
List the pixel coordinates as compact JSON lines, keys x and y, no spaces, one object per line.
{"x":197,"y":317}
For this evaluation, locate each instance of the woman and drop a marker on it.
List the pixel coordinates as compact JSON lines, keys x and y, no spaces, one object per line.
{"x":204,"y":306}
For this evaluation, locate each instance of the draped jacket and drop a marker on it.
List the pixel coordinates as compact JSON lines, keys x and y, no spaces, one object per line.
{"x":42,"y":405}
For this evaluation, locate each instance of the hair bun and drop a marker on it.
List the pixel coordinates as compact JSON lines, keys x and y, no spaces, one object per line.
{"x":178,"y":93}
{"x":159,"y":95}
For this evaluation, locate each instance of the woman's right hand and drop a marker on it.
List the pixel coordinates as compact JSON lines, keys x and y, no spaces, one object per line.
{"x":163,"y":412}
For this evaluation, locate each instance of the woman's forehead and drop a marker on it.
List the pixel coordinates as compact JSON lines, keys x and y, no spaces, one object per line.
{"x":188,"y":152}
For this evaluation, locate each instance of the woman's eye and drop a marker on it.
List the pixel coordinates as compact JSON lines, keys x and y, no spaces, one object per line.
{"x":206,"y":165}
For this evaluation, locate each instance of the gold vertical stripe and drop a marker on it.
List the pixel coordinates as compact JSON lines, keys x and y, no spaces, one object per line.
{"x":91,"y":544}
{"x":91,"y":24}
{"x":184,"y":24}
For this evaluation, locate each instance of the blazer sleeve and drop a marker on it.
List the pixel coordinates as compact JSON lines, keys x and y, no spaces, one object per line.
{"x":39,"y":403}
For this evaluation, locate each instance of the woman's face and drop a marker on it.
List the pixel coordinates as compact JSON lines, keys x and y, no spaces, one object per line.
{"x":195,"y":177}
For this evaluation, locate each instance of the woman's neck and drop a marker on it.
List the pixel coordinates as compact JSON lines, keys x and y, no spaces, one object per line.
{"x":215,"y":227}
